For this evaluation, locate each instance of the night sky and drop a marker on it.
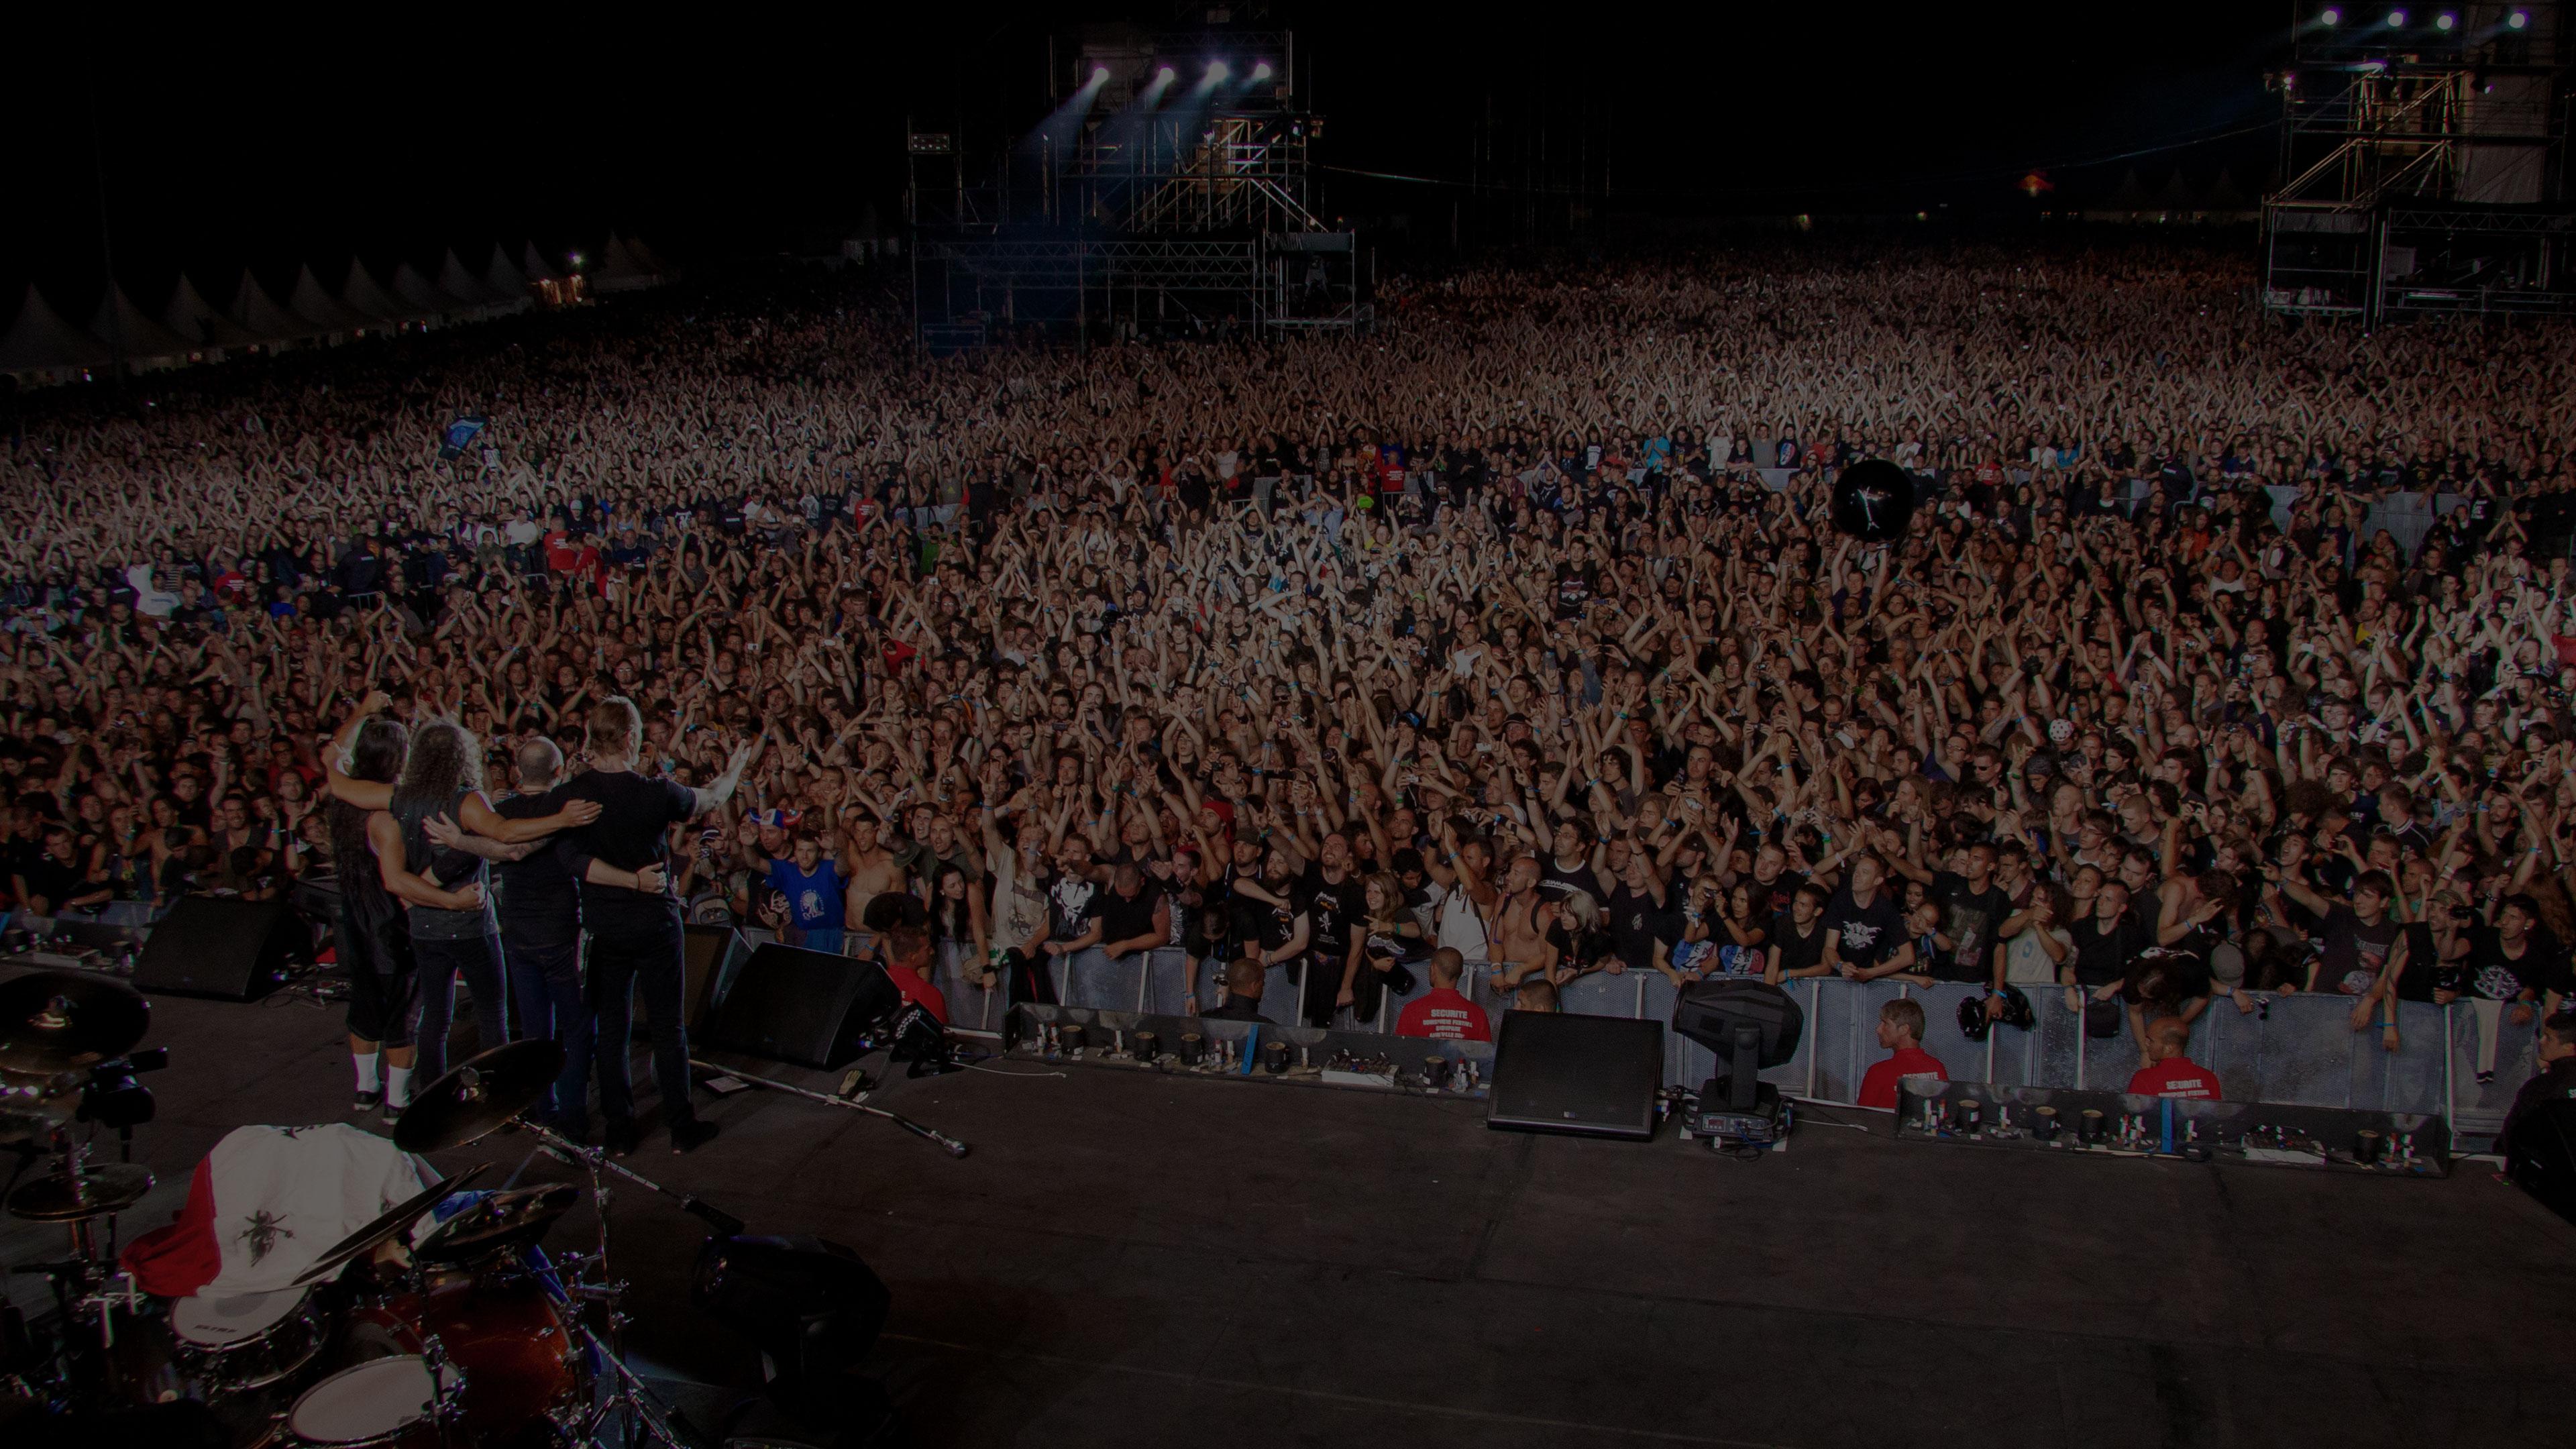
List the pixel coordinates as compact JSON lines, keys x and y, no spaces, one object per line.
{"x":231,"y":143}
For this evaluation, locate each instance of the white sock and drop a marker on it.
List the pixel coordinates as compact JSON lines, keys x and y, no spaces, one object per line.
{"x":398,"y":1086}
{"x":365,"y":1062}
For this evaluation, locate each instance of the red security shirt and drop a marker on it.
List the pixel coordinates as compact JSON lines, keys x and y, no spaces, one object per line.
{"x":2175,"y":1077}
{"x":1878,"y":1087}
{"x":1444,"y":1015}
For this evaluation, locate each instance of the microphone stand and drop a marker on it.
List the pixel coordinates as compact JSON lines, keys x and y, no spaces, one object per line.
{"x":950,"y":1145}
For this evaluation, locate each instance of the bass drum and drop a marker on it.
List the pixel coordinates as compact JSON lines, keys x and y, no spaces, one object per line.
{"x":504,"y":1333}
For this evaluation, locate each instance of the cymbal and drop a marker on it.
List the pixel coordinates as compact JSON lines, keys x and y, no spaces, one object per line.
{"x":107,"y":1188}
{"x":512,"y":1218}
{"x":34,"y":1105}
{"x":55,"y":1021}
{"x":479,"y":1096}
{"x":396,"y":1218}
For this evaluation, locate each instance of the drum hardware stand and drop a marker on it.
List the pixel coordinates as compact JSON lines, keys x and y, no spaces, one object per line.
{"x":447,"y":1407}
{"x":950,"y":1145}
{"x":665,"y":1426}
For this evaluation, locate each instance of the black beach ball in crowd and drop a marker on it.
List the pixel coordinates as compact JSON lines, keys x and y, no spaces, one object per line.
{"x":1873,"y":501}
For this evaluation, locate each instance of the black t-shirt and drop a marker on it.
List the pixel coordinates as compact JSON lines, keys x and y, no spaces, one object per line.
{"x":540,"y":896}
{"x":636,"y":813}
{"x":1124,"y":920}
{"x":2489,"y":972}
{"x":1797,"y":953}
{"x":1870,"y":933}
{"x":1073,"y":903}
{"x":1637,"y":923}
{"x":2103,"y":956}
{"x":1972,"y":920}
{"x":1331,"y":905}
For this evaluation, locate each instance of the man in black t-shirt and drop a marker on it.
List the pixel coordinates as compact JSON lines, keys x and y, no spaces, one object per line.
{"x":1863,"y":925}
{"x":1133,"y":915}
{"x":635,"y":936}
{"x":1973,"y":908}
{"x":1798,"y":938}
{"x":1330,"y":897}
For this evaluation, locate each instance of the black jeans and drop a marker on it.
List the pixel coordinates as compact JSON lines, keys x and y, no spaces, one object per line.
{"x":640,"y":950}
{"x":478,"y":960}
{"x":545,"y":991}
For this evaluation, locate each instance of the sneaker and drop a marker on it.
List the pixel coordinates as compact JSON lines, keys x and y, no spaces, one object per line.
{"x":624,"y":1136}
{"x":367,"y":1102}
{"x":691,"y":1135}
{"x":393,"y":1113}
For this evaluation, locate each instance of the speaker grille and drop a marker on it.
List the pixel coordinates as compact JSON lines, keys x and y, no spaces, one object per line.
{"x":1593,"y":1076}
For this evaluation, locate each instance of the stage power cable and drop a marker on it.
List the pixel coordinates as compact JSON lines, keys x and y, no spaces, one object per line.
{"x":950,"y":1145}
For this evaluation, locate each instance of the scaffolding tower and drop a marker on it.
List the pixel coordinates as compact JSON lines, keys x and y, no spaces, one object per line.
{"x":2423,"y":154}
{"x":1170,"y":190}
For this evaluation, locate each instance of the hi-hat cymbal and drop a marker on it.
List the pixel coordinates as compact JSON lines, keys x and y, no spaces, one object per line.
{"x":54,"y":1021}
{"x":34,"y":1105}
{"x":396,"y":1218}
{"x":107,"y":1188}
{"x":479,"y":1096}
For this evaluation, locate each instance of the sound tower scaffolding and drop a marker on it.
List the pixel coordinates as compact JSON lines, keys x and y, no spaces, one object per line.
{"x":1169,"y":192}
{"x":2423,"y":163}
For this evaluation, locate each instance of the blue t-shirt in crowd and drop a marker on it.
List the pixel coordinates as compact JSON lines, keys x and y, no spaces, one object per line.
{"x":814,"y":898}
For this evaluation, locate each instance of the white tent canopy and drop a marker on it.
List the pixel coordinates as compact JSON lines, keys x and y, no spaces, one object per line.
{"x":41,"y":340}
{"x":534,"y":266}
{"x":504,"y":278}
{"x":363,"y":295}
{"x":324,"y":311}
{"x":621,"y":270}
{"x":130,"y":332}
{"x":424,"y":295}
{"x":190,"y":315}
{"x":261,"y":316}
{"x":457,"y":282}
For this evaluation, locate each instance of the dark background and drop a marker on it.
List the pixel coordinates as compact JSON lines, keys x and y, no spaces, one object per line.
{"x":315,"y":137}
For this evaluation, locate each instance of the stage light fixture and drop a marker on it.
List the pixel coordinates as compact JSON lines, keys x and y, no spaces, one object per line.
{"x":2517,"y":19}
{"x":1216,"y":70}
{"x":2445,"y":21}
{"x":2330,"y":16}
{"x":1261,"y":72}
{"x":2396,"y":19}
{"x":1100,"y":75}
{"x":1166,"y":75}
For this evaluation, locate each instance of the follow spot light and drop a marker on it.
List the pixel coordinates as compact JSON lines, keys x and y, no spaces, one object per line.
{"x":1261,"y":72}
{"x":2330,"y":16}
{"x":1100,"y":75}
{"x":2445,"y":20}
{"x":2396,"y":19}
{"x":2518,"y":19}
{"x":1216,"y":70}
{"x":1165,"y":75}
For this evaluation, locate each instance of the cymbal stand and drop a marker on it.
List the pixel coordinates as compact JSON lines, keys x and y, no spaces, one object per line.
{"x":664,"y":1425}
{"x":946,"y":1143}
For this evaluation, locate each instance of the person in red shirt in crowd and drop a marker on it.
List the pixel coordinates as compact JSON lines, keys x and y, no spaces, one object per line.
{"x":1900,"y":1030}
{"x":2168,"y":1073}
{"x":1443,"y":1012}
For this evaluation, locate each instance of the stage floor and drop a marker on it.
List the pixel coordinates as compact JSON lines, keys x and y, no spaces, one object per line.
{"x":1128,"y":1260}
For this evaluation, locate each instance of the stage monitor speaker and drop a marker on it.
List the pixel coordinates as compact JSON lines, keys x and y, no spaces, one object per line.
{"x":704,"y":959}
{"x":807,"y":1007}
{"x":1595,"y":1076}
{"x":229,"y":950}
{"x":2541,"y":1158}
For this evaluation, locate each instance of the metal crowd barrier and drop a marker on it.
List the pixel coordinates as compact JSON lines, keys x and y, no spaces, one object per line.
{"x":2299,"y":1049}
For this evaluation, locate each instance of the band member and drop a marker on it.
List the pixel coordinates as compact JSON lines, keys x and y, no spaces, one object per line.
{"x":634,"y":936}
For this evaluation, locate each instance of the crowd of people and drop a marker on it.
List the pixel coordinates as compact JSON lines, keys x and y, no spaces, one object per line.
{"x":1508,"y":642}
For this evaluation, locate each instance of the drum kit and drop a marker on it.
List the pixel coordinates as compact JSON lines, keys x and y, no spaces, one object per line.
{"x":460,"y":1333}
